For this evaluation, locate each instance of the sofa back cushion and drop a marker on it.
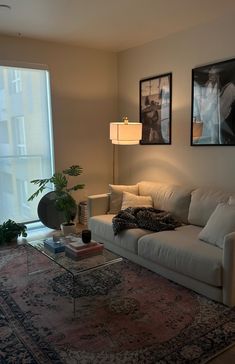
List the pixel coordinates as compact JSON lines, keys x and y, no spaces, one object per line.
{"x":167,"y":197}
{"x":116,"y":194}
{"x":203,"y":204}
{"x":147,"y":188}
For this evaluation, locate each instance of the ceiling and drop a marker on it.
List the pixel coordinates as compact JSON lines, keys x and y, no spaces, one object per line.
{"x":113,"y":25}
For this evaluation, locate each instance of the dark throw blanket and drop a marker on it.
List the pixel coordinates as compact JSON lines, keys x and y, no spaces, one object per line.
{"x":145,"y":218}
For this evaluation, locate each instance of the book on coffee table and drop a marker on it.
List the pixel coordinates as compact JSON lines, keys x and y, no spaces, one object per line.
{"x":88,"y":250}
{"x":79,"y":245}
{"x":54,"y":246}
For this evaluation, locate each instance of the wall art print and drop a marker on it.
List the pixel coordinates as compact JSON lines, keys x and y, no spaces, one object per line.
{"x":213,"y":104}
{"x":155,"y":109}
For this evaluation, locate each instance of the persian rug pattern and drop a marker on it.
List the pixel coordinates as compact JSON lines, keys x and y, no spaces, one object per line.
{"x":124,"y":314}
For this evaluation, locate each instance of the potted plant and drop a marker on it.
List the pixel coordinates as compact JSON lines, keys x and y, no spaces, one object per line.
{"x":64,"y":200}
{"x":10,"y":230}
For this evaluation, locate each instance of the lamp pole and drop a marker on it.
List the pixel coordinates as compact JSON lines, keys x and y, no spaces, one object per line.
{"x":114,"y":164}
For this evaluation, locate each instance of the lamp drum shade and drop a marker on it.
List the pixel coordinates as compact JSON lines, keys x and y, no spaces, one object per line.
{"x":125,"y":134}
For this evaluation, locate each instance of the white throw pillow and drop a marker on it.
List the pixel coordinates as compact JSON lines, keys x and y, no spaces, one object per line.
{"x":220,"y":223}
{"x":130,"y":200}
{"x":116,"y":192}
{"x":231,"y":200}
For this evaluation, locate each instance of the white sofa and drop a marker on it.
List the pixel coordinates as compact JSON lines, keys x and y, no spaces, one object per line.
{"x":178,"y":255}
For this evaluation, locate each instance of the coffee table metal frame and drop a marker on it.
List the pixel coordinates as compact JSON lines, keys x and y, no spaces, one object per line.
{"x":73,"y":267}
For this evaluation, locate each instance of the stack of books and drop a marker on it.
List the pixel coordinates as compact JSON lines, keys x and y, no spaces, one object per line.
{"x":78,"y":250}
{"x":54,"y":246}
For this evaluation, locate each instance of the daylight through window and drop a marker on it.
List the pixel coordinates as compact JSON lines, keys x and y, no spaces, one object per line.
{"x":26,"y":150}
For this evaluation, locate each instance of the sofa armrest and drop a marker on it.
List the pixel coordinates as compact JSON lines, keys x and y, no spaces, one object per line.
{"x":229,"y":270}
{"x":98,"y":204}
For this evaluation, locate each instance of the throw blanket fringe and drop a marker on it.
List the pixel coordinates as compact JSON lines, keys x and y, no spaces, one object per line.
{"x":145,"y":218}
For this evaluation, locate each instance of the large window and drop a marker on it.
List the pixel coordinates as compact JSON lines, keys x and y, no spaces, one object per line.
{"x":26,"y":150}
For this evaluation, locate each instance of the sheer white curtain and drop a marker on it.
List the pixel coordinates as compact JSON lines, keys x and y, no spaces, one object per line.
{"x":26,"y":147}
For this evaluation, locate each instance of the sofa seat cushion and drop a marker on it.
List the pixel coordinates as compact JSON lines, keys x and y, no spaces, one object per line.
{"x":182,"y":251}
{"x":102,"y":227}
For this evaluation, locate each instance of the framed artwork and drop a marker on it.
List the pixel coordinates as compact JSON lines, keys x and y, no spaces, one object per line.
{"x":155,"y":109}
{"x":213,"y":104}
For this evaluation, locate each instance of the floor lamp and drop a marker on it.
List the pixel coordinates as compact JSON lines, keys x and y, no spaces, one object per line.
{"x":124,"y":133}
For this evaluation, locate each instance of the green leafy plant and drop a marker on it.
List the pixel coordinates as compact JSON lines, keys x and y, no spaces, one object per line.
{"x":64,"y":200}
{"x":10,"y":230}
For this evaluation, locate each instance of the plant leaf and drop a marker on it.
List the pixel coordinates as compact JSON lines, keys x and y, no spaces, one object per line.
{"x":59,"y":181}
{"x":76,"y":187}
{"x":74,"y":170}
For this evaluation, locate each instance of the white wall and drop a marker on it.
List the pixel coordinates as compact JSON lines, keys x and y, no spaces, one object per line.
{"x":177,"y":163}
{"x":84,"y":100}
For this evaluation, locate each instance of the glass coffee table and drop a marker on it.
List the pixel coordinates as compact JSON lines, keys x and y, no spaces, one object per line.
{"x":73,"y":267}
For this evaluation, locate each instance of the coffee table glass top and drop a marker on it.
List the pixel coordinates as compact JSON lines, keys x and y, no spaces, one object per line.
{"x":76,"y":267}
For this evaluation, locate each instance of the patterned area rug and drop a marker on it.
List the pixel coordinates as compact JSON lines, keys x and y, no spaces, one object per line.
{"x":124,"y":314}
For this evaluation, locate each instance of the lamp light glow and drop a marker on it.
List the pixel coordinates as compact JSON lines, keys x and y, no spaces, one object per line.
{"x":125,"y":133}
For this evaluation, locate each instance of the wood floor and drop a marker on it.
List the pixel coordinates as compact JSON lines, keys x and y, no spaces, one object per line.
{"x":228,"y":357}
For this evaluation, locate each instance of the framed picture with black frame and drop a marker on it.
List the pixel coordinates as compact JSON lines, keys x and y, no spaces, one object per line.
{"x":213,"y":104}
{"x":155,"y":109}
